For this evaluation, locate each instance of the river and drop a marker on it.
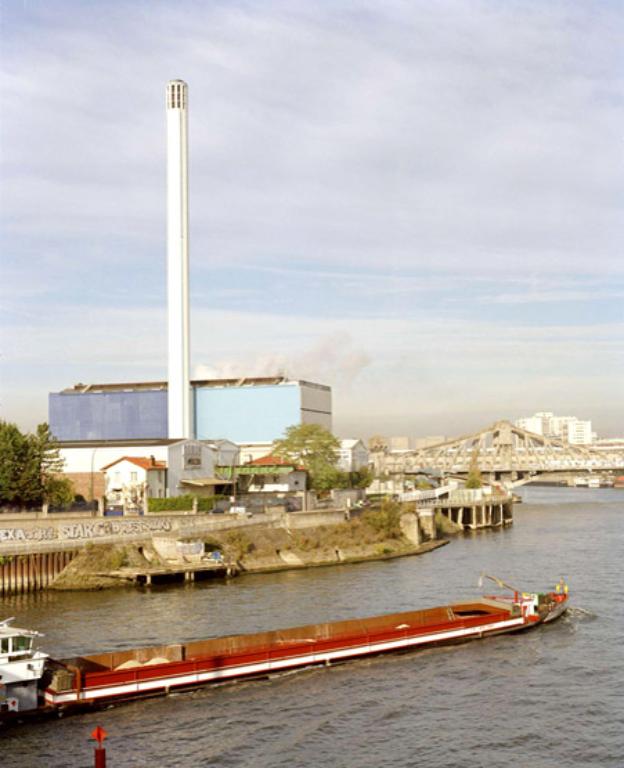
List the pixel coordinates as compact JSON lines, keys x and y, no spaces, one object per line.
{"x":550,"y":697}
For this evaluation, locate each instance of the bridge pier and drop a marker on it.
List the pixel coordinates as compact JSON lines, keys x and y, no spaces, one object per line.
{"x":426,"y":518}
{"x":507,"y":513}
{"x":473,"y":518}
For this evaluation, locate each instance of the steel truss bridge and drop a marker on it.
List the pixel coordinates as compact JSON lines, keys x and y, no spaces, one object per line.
{"x":502,"y":452}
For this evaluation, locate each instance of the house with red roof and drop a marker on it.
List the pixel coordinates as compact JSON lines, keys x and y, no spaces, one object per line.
{"x":130,"y":480}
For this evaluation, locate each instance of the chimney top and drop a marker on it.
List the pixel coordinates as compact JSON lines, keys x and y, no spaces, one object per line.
{"x":177,"y":94}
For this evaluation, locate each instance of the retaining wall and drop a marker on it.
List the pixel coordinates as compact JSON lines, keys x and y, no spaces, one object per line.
{"x":19,"y":536}
{"x":28,"y":573}
{"x":314,"y":518}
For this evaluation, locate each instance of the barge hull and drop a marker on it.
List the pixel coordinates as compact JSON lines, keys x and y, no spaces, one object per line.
{"x":104,"y":678}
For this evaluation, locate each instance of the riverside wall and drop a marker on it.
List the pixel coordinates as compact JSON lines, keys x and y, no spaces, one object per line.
{"x":32,"y":572}
{"x":36,"y":549}
{"x":31,"y":534}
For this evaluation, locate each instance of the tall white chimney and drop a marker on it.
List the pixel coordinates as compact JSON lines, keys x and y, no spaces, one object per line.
{"x":179,"y":391}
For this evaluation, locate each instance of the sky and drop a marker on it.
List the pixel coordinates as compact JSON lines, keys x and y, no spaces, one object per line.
{"x":419,"y":204}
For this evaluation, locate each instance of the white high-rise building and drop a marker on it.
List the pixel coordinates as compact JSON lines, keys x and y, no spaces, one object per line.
{"x":531,"y":424}
{"x":178,"y":325}
{"x":578,"y":432}
{"x":568,"y":428}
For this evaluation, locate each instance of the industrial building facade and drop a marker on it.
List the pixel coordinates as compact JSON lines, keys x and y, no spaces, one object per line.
{"x":245,"y":411}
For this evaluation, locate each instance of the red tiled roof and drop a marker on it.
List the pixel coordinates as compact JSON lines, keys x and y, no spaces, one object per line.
{"x":145,"y":462}
{"x":273,"y":461}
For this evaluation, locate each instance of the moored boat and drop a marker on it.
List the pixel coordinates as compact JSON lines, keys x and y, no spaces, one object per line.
{"x":88,"y":681}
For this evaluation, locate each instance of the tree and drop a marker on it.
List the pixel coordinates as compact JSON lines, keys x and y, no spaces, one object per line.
{"x":474,"y":479}
{"x":314,"y":448}
{"x":13,"y":458}
{"x":31,"y":467}
{"x":386,"y":519}
{"x":325,"y":478}
{"x":362,"y":478}
{"x":59,"y":491}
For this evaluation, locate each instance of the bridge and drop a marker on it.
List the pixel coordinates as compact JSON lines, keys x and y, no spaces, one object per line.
{"x":502,"y":452}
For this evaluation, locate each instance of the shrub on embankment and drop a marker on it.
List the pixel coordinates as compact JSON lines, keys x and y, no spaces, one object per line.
{"x":386,"y":519}
{"x":444,"y":526}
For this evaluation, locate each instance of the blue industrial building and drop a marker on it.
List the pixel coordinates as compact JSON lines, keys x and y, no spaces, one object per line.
{"x":75,"y":416}
{"x":246,"y":414}
{"x":244,"y":411}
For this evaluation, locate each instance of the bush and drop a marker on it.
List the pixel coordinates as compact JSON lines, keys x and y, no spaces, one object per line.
{"x":118,"y":559}
{"x":386,"y":519}
{"x":362,"y":478}
{"x":240,"y":544}
{"x":183,"y":503}
{"x":446,"y":527}
{"x":60,"y":491}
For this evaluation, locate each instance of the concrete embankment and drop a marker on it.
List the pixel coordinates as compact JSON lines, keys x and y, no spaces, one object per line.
{"x":105,"y":553}
{"x":249,"y":546}
{"x":260,"y":551}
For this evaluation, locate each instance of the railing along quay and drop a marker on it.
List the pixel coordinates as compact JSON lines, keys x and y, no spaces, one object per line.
{"x":467,"y":501}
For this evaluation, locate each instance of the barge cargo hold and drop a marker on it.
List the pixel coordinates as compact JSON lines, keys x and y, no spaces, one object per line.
{"x":87,"y":681}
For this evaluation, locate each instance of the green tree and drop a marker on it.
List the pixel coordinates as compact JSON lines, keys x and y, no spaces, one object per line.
{"x":386,"y":519}
{"x":473,"y":478}
{"x":13,"y":459}
{"x":59,"y":491}
{"x":331,"y":477}
{"x":314,"y":448}
{"x":362,"y":478}
{"x":31,"y":467}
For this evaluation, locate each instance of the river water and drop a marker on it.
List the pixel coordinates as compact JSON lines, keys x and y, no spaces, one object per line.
{"x":550,"y":697}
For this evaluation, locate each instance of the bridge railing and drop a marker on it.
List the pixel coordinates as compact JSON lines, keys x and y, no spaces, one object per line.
{"x":426,"y":495}
{"x":562,"y":465}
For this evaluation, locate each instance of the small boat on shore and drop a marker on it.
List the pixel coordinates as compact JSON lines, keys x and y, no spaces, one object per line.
{"x":36,"y":685}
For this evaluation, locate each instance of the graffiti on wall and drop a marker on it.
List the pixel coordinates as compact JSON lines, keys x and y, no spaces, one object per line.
{"x":85,"y":530}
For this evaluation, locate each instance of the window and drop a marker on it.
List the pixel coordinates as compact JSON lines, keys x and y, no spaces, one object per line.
{"x":192,"y":455}
{"x":21,"y":643}
{"x":133,"y":477}
{"x":4,"y":645}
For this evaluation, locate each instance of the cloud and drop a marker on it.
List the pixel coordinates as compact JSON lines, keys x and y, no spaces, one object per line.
{"x":331,"y":359}
{"x":388,"y":370}
{"x":486,"y":138}
{"x":411,"y":202}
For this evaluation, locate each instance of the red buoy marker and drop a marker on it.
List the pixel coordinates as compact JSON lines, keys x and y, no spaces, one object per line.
{"x":99,"y":754}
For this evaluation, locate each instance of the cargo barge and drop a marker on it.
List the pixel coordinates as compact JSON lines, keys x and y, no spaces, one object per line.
{"x":33,"y":684}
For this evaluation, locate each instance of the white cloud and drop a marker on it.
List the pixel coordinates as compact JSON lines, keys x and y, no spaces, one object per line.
{"x":382,"y":370}
{"x":331,"y":358}
{"x":473,"y":135}
{"x":460,"y":153}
